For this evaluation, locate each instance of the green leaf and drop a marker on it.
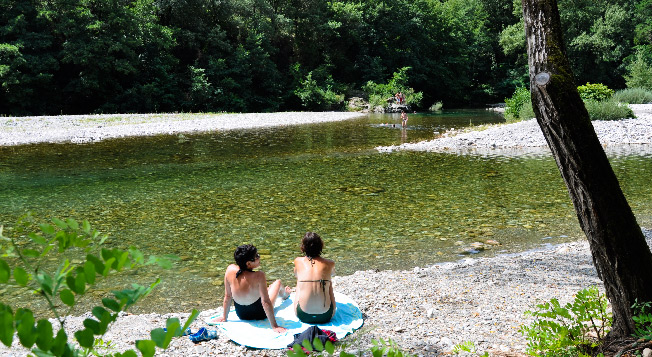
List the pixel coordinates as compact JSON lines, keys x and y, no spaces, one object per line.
{"x":85,"y":338}
{"x":107,"y":266}
{"x":67,"y":297}
{"x":99,"y":312}
{"x":318,"y":345}
{"x":44,"y":336}
{"x":111,"y":304}
{"x":38,"y":239}
{"x":191,"y":318}
{"x":47,"y":229}
{"x":25,"y":327}
{"x":45,"y":281}
{"x":86,"y":227}
{"x":60,"y":343}
{"x":61,"y":224}
{"x":136,"y":255}
{"x":72,"y":224}
{"x":5,"y":272}
{"x":306,"y":344}
{"x":80,"y":283}
{"x":146,"y":347}
{"x":127,"y":353}
{"x":21,"y":276}
{"x":31,"y":253}
{"x":93,"y":325}
{"x":6,"y":325}
{"x":329,"y":347}
{"x":89,"y":272}
{"x":158,"y":336}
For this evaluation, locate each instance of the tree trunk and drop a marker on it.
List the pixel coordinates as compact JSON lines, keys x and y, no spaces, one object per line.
{"x":620,"y":254}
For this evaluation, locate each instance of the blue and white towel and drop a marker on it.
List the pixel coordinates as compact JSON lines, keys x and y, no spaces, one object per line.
{"x":258,"y":334}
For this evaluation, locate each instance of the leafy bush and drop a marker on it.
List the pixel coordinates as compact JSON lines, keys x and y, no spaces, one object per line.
{"x":639,"y":72}
{"x":379,"y":93}
{"x":595,"y":91}
{"x":436,"y":107}
{"x":608,"y":110}
{"x":319,"y":96}
{"x":526,"y":112}
{"x":633,"y":96}
{"x":563,"y":330}
{"x":643,"y":320}
{"x":514,"y":104}
{"x":29,"y":248}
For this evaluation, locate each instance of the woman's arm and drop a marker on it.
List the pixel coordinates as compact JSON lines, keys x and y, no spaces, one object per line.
{"x":267,"y":304}
{"x":226,"y":305}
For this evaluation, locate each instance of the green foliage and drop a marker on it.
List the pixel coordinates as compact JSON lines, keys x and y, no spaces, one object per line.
{"x":25,"y":254}
{"x":633,"y":96}
{"x":639,"y":72}
{"x":518,"y":100}
{"x":380,"y":348}
{"x":608,"y":110}
{"x":469,"y":347}
{"x":594,"y":91}
{"x":563,"y":330}
{"x":380,"y":93}
{"x":319,"y":96}
{"x":643,"y":319}
{"x":436,"y":107}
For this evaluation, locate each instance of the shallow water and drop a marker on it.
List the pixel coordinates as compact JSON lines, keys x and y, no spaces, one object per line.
{"x":199,"y":196}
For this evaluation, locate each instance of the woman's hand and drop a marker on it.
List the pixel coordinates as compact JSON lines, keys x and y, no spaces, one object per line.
{"x":279,"y":329}
{"x":220,"y":319}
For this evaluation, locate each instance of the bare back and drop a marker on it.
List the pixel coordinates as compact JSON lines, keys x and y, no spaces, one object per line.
{"x":314,"y":287}
{"x":246,"y":288}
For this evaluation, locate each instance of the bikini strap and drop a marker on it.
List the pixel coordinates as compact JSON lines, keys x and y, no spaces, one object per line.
{"x":242,"y":271}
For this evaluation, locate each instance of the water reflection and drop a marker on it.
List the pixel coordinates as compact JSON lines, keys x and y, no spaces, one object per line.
{"x":199,"y":196}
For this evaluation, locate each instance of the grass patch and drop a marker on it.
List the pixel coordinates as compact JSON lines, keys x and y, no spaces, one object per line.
{"x":633,"y":96}
{"x":608,"y":110}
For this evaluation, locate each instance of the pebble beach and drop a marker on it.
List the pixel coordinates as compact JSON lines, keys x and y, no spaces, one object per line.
{"x":426,"y":310}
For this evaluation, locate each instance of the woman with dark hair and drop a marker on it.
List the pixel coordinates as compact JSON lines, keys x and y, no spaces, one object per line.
{"x":314,"y":301}
{"x":248,"y":289}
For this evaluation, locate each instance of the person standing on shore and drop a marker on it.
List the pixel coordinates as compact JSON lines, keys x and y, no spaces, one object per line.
{"x":314,"y":299}
{"x":248,"y":289}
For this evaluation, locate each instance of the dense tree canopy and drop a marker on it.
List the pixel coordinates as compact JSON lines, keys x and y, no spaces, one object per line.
{"x":88,"y":56}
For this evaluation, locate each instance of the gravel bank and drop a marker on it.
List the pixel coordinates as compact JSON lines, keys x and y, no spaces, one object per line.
{"x":526,"y":138}
{"x":92,"y":128}
{"x":425,"y":310}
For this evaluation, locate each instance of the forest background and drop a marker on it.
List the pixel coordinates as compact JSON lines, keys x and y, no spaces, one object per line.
{"x":124,"y":56}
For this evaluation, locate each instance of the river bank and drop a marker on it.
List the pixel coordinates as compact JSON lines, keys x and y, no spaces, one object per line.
{"x":426,"y":310}
{"x":93,"y":128}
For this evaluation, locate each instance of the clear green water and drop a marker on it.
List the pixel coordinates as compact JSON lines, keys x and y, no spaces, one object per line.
{"x":199,"y":196}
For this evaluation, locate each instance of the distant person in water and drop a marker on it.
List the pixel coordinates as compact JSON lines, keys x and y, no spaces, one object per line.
{"x":314,"y":301}
{"x":248,"y":289}
{"x":404,"y":118}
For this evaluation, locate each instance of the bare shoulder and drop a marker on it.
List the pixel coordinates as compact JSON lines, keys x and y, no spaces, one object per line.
{"x":329,"y":262}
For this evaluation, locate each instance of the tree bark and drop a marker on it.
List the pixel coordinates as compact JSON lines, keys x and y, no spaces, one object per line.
{"x":620,"y":254}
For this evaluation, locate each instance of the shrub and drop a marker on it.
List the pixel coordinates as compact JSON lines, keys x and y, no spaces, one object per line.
{"x":562,"y":330}
{"x":29,"y":247}
{"x":514,"y":104}
{"x":595,"y":91}
{"x":633,"y":96}
{"x":398,"y":83}
{"x":643,"y":320}
{"x":639,"y":72}
{"x":526,"y":112}
{"x":436,"y":107}
{"x":608,"y":110}
{"x":319,"y":96}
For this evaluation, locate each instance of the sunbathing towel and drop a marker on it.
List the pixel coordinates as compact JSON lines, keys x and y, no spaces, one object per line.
{"x":258,"y":334}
